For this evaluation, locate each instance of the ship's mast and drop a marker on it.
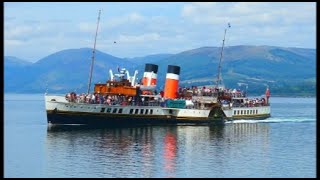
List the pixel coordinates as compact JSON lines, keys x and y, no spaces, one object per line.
{"x":219,"y":76}
{"x":93,"y":53}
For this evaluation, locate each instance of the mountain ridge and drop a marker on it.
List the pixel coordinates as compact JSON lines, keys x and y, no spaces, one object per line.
{"x":278,"y":67}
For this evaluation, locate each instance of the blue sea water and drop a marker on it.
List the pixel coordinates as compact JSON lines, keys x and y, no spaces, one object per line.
{"x":283,"y":145}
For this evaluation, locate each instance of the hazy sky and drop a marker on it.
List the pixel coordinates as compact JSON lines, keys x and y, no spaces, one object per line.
{"x":33,"y":30}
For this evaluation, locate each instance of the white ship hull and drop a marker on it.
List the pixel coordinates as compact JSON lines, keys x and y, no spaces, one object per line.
{"x":60,"y":111}
{"x":260,"y":112}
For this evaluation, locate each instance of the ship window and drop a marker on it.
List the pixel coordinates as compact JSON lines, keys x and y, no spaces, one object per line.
{"x":108,"y":110}
{"x":141,"y":111}
{"x":136,"y":111}
{"x":114,"y":110}
{"x":170,"y":111}
{"x":131,"y":111}
{"x":247,"y":111}
{"x":102,"y":109}
{"x":238,"y":112}
{"x":146,"y":112}
{"x":256,"y":111}
{"x":120,"y":111}
{"x":244,"y":111}
{"x":241,"y":112}
{"x":235,"y":112}
{"x":151,"y":111}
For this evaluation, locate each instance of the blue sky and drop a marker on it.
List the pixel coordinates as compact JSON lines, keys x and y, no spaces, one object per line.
{"x":33,"y":30}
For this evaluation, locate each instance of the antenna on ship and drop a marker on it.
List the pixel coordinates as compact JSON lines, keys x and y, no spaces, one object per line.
{"x":219,"y":76}
{"x":93,"y":53}
{"x":46,"y":88}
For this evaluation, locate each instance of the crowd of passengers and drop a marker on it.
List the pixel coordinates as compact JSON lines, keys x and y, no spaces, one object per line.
{"x":183,"y":93}
{"x":97,"y":98}
{"x":210,"y":91}
{"x":255,"y":102}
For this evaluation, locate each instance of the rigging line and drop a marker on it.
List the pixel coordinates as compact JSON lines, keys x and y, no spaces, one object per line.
{"x":221,"y":54}
{"x":93,"y":53}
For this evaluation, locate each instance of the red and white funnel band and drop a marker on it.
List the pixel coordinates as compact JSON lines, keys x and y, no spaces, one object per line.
{"x":172,"y":82}
{"x":172,"y":76}
{"x":150,"y":75}
{"x":149,"y":79}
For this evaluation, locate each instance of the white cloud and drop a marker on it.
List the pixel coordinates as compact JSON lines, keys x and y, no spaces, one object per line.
{"x":29,"y":31}
{"x":18,"y":31}
{"x":254,"y":23}
{"x":132,"y":18}
{"x":135,"y":17}
{"x":144,"y":38}
{"x":13,"y":42}
{"x":87,"y":27}
{"x":144,"y":30}
{"x":248,"y":12}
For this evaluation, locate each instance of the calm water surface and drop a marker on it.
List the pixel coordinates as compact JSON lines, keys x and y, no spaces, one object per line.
{"x":281,"y":146}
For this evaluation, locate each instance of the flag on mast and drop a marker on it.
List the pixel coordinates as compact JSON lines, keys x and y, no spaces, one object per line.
{"x":267,"y":92}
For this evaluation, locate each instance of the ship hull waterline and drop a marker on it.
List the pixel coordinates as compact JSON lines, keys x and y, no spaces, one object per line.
{"x":102,"y":119}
